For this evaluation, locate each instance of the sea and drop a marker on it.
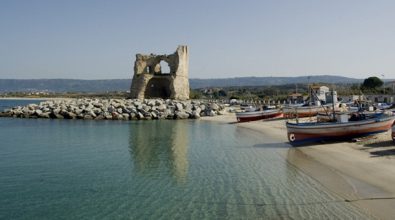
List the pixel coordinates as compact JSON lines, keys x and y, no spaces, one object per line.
{"x":160,"y":169}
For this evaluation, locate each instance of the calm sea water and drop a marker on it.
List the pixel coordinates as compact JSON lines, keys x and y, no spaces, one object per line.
{"x":9,"y":103}
{"x":71,"y":169}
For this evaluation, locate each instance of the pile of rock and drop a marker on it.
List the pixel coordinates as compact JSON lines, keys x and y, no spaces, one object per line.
{"x":116,"y":109}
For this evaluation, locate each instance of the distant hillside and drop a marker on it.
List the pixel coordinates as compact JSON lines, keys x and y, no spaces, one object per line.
{"x":265,"y":81}
{"x":64,"y":85}
{"x":75,"y":85}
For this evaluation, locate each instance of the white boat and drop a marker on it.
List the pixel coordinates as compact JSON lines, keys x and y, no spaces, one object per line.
{"x":344,"y":128}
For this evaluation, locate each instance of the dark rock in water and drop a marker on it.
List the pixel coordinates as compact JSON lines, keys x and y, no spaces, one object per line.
{"x":133,"y":116}
{"x":38,"y":112}
{"x":100,"y":117}
{"x":195,"y":115}
{"x":88,"y":117}
{"x":5,"y":114}
{"x":140,"y":116}
{"x":44,"y":115}
{"x":56,"y":115}
{"x":126,"y":116}
{"x":69,"y":115}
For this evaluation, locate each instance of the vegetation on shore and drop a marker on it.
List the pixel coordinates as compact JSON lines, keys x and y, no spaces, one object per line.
{"x":113,"y":95}
{"x":371,"y":85}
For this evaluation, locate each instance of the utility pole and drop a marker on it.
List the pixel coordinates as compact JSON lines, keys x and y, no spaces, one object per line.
{"x":309,"y":91}
{"x":333,"y":104}
{"x":383,"y":83}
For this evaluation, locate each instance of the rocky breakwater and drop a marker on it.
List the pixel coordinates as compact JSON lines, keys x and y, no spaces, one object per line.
{"x":116,"y":109}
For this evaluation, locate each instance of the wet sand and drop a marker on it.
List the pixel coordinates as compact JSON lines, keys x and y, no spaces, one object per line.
{"x":362,"y":173}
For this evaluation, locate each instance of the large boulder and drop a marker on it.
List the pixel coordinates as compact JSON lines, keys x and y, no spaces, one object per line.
{"x":214,"y":106}
{"x":179,"y":107}
{"x":182,"y":115}
{"x":161,"y":107}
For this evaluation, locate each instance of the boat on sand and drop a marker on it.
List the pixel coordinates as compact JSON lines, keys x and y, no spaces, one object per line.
{"x":302,"y":111}
{"x":393,"y":132}
{"x":258,"y":115}
{"x":346,"y":127}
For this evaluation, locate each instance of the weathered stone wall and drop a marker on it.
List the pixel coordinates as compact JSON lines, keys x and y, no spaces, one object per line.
{"x":148,"y":75}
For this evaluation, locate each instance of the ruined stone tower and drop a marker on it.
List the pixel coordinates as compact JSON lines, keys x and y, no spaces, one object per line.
{"x":151,"y":81}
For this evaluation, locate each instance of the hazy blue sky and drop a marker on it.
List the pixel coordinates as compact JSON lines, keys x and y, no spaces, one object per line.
{"x":98,"y":39}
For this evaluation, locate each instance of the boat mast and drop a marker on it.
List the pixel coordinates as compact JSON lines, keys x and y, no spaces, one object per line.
{"x":333,"y":104}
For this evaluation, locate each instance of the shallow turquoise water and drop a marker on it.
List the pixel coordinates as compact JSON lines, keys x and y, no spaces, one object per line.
{"x":69,"y":169}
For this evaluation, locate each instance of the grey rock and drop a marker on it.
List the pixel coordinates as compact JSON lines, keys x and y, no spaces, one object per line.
{"x":38,"y":112}
{"x":151,"y":103}
{"x":179,"y":107}
{"x":126,"y":116}
{"x":44,"y":115}
{"x":161,"y":107}
{"x":140,"y":116}
{"x":154,"y":115}
{"x":158,"y":102}
{"x":214,"y":106}
{"x":133,"y":116}
{"x":195,"y":115}
{"x":100,"y":117}
{"x":88,"y":117}
{"x":182,"y":115}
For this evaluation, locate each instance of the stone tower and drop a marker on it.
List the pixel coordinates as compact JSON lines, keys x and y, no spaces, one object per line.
{"x":149,"y":81}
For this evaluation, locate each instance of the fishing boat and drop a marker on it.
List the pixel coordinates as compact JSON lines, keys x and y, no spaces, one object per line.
{"x":301,"y":111}
{"x":258,"y":115}
{"x":344,"y":127}
{"x":393,"y":132}
{"x":311,"y":108}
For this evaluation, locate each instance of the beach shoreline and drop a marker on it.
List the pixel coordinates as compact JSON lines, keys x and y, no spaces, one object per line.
{"x":360,"y":173}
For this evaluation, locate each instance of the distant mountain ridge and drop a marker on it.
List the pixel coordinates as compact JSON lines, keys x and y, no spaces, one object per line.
{"x":266,"y":81}
{"x":64,"y":85}
{"x":77,"y":85}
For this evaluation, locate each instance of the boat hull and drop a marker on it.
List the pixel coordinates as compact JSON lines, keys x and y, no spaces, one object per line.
{"x":393,"y":132}
{"x":301,"y":112}
{"x":305,"y":133}
{"x":257,"y":115}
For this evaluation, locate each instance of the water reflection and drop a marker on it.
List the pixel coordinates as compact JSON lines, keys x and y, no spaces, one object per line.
{"x":158,"y":146}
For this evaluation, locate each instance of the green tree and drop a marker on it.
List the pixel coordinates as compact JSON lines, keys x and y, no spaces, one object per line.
{"x":194,"y":94}
{"x":372,"y":83}
{"x":222,"y":93}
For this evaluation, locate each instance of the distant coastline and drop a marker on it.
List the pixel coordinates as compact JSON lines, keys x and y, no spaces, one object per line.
{"x":32,"y":98}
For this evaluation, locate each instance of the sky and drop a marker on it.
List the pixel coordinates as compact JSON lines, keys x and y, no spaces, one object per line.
{"x":99,"y":39}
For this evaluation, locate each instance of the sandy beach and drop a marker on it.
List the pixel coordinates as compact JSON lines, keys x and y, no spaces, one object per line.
{"x":362,"y":173}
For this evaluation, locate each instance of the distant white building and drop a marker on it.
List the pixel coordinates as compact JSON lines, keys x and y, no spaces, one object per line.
{"x":323,"y":94}
{"x":320,"y":92}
